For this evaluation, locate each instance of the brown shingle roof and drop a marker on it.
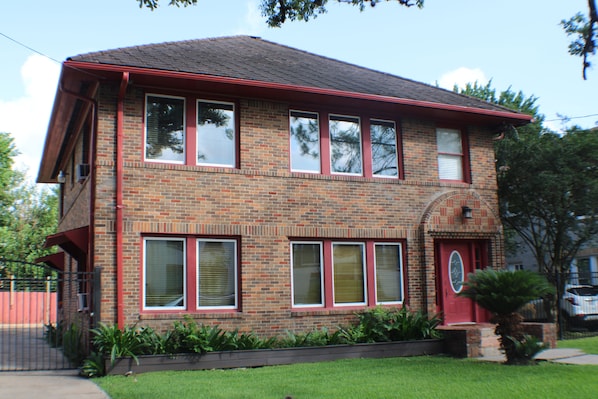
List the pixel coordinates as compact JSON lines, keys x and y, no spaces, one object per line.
{"x":251,"y":58}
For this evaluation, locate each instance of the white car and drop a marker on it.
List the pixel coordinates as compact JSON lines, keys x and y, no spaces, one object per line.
{"x":580,"y":305}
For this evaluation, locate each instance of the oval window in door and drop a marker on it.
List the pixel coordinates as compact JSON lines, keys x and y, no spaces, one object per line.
{"x":456,"y":271}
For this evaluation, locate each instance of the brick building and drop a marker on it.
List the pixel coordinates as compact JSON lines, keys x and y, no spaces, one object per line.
{"x":260,"y":187}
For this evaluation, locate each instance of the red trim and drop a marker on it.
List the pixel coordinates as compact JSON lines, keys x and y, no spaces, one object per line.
{"x":74,"y":242}
{"x":292,"y":88}
{"x":55,"y":261}
{"x":119,"y":201}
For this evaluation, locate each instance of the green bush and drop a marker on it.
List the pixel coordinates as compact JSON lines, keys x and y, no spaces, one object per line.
{"x":391,"y":324}
{"x":187,"y":336}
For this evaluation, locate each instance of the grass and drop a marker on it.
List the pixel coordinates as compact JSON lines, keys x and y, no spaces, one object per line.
{"x":588,"y":345}
{"x":407,"y":377}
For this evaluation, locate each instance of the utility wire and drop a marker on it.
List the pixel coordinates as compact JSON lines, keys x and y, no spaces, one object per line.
{"x":29,"y":48}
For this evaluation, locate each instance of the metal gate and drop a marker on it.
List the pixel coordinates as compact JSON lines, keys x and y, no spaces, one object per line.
{"x":45,"y":317}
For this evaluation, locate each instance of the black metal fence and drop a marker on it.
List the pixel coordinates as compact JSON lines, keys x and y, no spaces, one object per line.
{"x":574,"y":307}
{"x":44,"y":317}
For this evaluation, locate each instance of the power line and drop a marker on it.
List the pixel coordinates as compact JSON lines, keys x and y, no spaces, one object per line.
{"x":565,"y":118}
{"x":29,"y":48}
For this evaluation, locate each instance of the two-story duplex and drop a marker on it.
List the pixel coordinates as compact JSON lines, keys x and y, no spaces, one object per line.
{"x":256,"y":186}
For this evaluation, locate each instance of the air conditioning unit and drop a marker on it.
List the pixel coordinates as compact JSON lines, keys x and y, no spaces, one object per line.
{"x":81,"y":172}
{"x":82,"y":304}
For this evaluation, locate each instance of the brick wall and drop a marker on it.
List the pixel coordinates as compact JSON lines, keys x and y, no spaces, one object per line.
{"x":264,"y":205}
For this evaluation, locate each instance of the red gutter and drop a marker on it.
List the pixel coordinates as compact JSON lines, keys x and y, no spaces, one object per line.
{"x":292,"y":88}
{"x":119,"y":201}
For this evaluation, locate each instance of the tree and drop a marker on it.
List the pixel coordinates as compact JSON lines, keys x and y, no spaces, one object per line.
{"x":547,"y":185}
{"x":503,"y":293}
{"x":277,"y":12}
{"x":27,"y":215}
{"x":584,"y":29}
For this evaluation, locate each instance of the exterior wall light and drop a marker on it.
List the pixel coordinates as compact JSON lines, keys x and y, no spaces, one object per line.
{"x":467,"y":212}
{"x":61,"y":178}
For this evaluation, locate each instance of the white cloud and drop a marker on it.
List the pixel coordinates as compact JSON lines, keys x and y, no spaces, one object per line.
{"x":26,"y":118}
{"x":461,"y":76}
{"x":253,"y":21}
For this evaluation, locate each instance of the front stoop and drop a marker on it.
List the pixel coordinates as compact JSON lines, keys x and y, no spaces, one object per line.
{"x":477,"y":340}
{"x":471,"y":340}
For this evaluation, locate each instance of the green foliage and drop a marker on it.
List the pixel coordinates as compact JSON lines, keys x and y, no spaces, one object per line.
{"x":585,"y":34}
{"x":53,"y":335}
{"x":526,"y":348}
{"x":27,"y":214}
{"x":113,"y":342}
{"x":390,"y":324}
{"x":316,"y":337}
{"x":93,"y":366}
{"x":279,"y":11}
{"x":503,"y":292}
{"x":187,"y":336}
{"x":72,"y":344}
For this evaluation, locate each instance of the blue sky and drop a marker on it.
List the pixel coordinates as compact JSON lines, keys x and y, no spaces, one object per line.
{"x":517,"y":44}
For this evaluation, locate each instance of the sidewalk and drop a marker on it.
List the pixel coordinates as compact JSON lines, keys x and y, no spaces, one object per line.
{"x":566,"y":356}
{"x":48,"y":385}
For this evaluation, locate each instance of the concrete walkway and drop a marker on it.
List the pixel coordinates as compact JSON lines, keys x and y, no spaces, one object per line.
{"x":566,"y":356}
{"x":48,"y":385}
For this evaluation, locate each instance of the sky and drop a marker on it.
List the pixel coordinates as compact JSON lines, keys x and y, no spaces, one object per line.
{"x":515,"y":44}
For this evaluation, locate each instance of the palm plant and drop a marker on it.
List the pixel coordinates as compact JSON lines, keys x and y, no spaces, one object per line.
{"x":503,"y":293}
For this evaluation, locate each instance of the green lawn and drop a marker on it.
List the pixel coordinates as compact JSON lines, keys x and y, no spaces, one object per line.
{"x":588,"y":345}
{"x":414,"y":377}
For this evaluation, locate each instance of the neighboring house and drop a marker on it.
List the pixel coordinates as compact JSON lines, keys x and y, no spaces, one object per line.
{"x":256,"y":186}
{"x":583,"y":270}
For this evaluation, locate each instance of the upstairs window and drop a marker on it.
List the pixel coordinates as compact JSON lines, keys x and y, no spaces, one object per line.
{"x":450,"y":154}
{"x":305,"y":142}
{"x":216,"y":134}
{"x":383,"y":135}
{"x":165,"y":129}
{"x":345,"y":145}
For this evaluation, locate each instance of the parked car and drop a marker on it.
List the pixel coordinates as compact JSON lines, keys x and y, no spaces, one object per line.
{"x":580,"y":305}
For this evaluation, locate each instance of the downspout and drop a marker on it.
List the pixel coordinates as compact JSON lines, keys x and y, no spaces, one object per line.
{"x":119,"y":201}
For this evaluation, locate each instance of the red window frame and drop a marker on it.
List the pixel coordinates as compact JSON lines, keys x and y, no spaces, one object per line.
{"x":190,"y":272}
{"x":366,"y":141}
{"x":465,"y":160}
{"x":370,"y":273}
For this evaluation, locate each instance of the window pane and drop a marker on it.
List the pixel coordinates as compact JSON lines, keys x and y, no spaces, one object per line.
{"x":305,"y":142}
{"x":165,"y":129}
{"x":307,"y":274}
{"x":384,"y":148}
{"x":450,"y":167}
{"x":215,"y":134}
{"x":164,"y":273}
{"x":217,"y":279}
{"x":349,"y":277}
{"x":449,"y":141}
{"x":450,"y":154}
{"x":389,"y":285}
{"x":345,"y":145}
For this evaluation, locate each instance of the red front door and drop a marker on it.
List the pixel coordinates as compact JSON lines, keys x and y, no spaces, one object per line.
{"x":455,"y":262}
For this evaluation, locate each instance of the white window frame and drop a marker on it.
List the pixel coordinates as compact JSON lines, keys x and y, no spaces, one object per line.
{"x":460,"y":156}
{"x":236,"y":273}
{"x":372,"y":120}
{"x":234,"y":123}
{"x":144,"y":278}
{"x":317,"y":117}
{"x":322,"y":288}
{"x":402,"y":283}
{"x":330,"y":117}
{"x":363,"y":268}
{"x":184,"y":130}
